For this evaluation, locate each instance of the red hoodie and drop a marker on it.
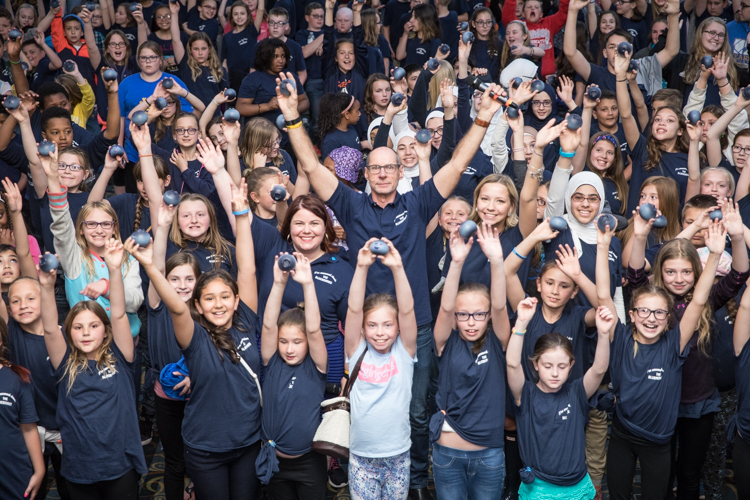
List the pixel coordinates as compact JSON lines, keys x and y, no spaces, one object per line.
{"x":541,"y":33}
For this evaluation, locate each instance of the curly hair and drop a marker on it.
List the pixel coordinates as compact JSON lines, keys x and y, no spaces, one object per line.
{"x":331,"y":107}
{"x":266,"y":52}
{"x":654,"y":146}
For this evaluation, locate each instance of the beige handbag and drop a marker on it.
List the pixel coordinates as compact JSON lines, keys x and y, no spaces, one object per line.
{"x":332,"y":436}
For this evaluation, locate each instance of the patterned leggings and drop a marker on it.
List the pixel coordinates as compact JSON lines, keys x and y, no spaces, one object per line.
{"x":716,"y":458}
{"x":379,"y":478}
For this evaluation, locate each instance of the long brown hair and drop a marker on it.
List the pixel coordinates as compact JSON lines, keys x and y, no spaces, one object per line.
{"x":428,"y":21}
{"x":493,"y":49}
{"x":19,"y":370}
{"x":221,"y":338}
{"x":213,"y":63}
{"x":601,"y":36}
{"x":506,"y":57}
{"x":370,"y":27}
{"x":682,"y":249}
{"x":259,"y":133}
{"x":615,"y":171}
{"x":314,"y":205}
{"x":653,"y":146}
{"x":211,"y":240}
{"x":369,"y":103}
{"x":669,"y":202}
{"x":693,"y":67}
{"x":162,"y":171}
{"x":77,"y":362}
{"x":160,"y":126}
{"x":108,"y":61}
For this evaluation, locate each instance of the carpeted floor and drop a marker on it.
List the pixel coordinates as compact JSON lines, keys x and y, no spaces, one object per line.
{"x":152,"y":487}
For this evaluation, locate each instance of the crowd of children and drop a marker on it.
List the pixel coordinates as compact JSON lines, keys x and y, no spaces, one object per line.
{"x":508,"y":239}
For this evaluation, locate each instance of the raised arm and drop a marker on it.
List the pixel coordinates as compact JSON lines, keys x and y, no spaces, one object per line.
{"x":715,"y":241}
{"x":54,"y":339}
{"x":246,"y":278}
{"x":629,"y":125}
{"x":741,"y":331}
{"x":15,"y":203}
{"x":561,"y":174}
{"x":29,"y":146}
{"x":567,"y":262}
{"x":489,"y":241}
{"x":95,"y":56}
{"x":447,"y":178}
{"x":269,"y":340}
{"x":641,"y":230}
{"x":694,"y":161}
{"x":100,"y":186}
{"x":577,"y":60}
{"x":513,"y":357}
{"x":605,"y":323}
{"x":354,"y":313}
{"x":713,"y":135}
{"x":260,"y":11}
{"x":322,"y":180}
{"x":303,"y":275}
{"x":513,"y":261}
{"x":579,"y":160}
{"x":113,"y":257}
{"x":212,"y":160}
{"x":407,"y":320}
{"x":112,"y":131}
{"x":672,"y":46}
{"x":732,"y":221}
{"x":603,"y":278}
{"x":445,"y":318}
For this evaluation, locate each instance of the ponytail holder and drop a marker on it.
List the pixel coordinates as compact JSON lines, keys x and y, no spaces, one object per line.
{"x":351,"y":103}
{"x":272,"y":443}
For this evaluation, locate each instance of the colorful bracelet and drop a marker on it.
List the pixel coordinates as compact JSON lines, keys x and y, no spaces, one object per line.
{"x":522,"y":333}
{"x":241,"y":212}
{"x":519,"y":255}
{"x":481,"y":123}
{"x":296,"y":125}
{"x":566,"y":154}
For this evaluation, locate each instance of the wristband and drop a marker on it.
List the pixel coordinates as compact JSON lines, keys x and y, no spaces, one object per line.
{"x":522,"y":333}
{"x":481,"y":123}
{"x":107,"y":282}
{"x":144,"y":156}
{"x":566,"y":154}
{"x":14,"y":62}
{"x":619,"y":81}
{"x":720,"y":86}
{"x":517,"y":149}
{"x":296,"y":125}
{"x":519,"y":255}
{"x":241,"y":212}
{"x":290,"y":123}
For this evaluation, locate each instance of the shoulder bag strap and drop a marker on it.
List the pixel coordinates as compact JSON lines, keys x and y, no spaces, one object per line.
{"x":255,"y":377}
{"x":353,"y":375}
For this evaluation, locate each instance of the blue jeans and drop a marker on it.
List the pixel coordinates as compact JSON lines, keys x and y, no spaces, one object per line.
{"x":476,"y":475}
{"x":314,"y":91}
{"x":419,"y":415}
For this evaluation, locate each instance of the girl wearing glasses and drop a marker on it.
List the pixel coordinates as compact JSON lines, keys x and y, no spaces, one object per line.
{"x":678,"y":269}
{"x":471,"y":333}
{"x":202,"y":18}
{"x":80,"y":246}
{"x":117,"y":56}
{"x":485,"y":51}
{"x":261,"y":147}
{"x":93,"y":358}
{"x":165,"y":26}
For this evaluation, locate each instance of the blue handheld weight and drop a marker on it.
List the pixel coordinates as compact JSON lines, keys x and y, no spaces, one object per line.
{"x":464,"y":26}
{"x":516,"y":82}
{"x":109,"y":75}
{"x":558,"y":224}
{"x":230,"y":94}
{"x":167,"y":83}
{"x":399,"y":74}
{"x":537,"y":86}
{"x":278,"y":193}
{"x":746,"y":93}
{"x":160,"y":103}
{"x":283,"y":86}
{"x":141,"y":238}
{"x":433,"y":64}
{"x":69,"y":66}
{"x":287,"y":262}
{"x":694,"y":117}
{"x":660,"y":222}
{"x":280,"y":122}
{"x":54,"y":4}
{"x":379,"y":247}
{"x":715,"y":215}
{"x":624,"y":47}
{"x":633,"y":65}
{"x":171,"y":198}
{"x":647,"y":211}
{"x":467,"y":37}
{"x":11,"y":102}
{"x":594,"y":93}
{"x":606,"y":220}
{"x":397,"y":99}
{"x":511,"y":112}
{"x":90,"y":6}
{"x":424,"y":136}
{"x":467,"y":229}
{"x":232,"y":115}
{"x":15,"y":35}
{"x":707,"y":61}
{"x":46,"y":147}
{"x":139,"y":118}
{"x":445,"y":48}
{"x":48,"y":262}
{"x":574,"y":122}
{"x":116,"y":151}
{"x":512,"y":47}
{"x":133,"y":7}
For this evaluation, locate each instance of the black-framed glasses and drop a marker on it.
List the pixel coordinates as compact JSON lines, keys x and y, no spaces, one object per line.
{"x":389,"y":169}
{"x":186,"y":131}
{"x":274,"y":24}
{"x":541,"y":104}
{"x":148,"y":58}
{"x":645,"y":312}
{"x":483,"y":23}
{"x":580,"y":198}
{"x":438,"y":132}
{"x":477,"y":316}
{"x":72,"y":167}
{"x":116,"y":45}
{"x":740,"y":149}
{"x":316,"y":16}
{"x":92,"y":224}
{"x":715,"y":34}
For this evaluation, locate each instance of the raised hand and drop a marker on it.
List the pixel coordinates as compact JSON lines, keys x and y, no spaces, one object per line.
{"x":50,"y":165}
{"x":732,"y":219}
{"x":588,"y":103}
{"x":716,"y":237}
{"x":543,"y":232}
{"x":47,"y":279}
{"x":641,"y":227}
{"x":565,"y":90}
{"x":459,"y":248}
{"x":259,"y":158}
{"x":720,"y":67}
{"x":515,"y":124}
{"x":567,"y":261}
{"x":365,"y":258}
{"x":694,"y":131}
{"x":232,"y":132}
{"x":526,"y":310}
{"x":210,"y":156}
{"x":550,"y":132}
{"x":446,"y":94}
{"x":302,"y":272}
{"x":604,"y":319}
{"x":489,"y":242}
{"x":279,"y":276}
{"x":179,"y":160}
{"x":145,"y":256}
{"x":605,"y":237}
{"x":569,"y":139}
{"x":141,"y":137}
{"x":166,"y":215}
{"x":523,"y":93}
{"x":13,"y":198}
{"x":392,"y":259}
{"x":114,"y":253}
{"x":239,"y":197}
{"x":287,"y":104}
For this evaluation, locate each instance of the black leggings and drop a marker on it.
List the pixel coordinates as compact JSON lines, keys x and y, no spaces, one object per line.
{"x":228,"y":475}
{"x":123,"y":488}
{"x":624,"y":450}
{"x":301,"y":478}
{"x":51,"y":454}
{"x":741,"y":461}
{"x":693,"y":436}
{"x":169,"y":415}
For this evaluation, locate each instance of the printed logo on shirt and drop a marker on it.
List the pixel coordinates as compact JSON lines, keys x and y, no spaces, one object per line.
{"x":728,"y":319}
{"x":681,"y":171}
{"x":7,"y":399}
{"x":106,"y":373}
{"x":564,"y":413}
{"x":540,"y":38}
{"x":242,"y":41}
{"x":421,"y":51}
{"x":201,"y":27}
{"x":739,"y":50}
{"x":612,"y":256}
{"x":212,"y":80}
{"x":401,"y":218}
{"x":130,"y":36}
{"x":482,"y":358}
{"x":378,"y":374}
{"x":633,"y":32}
{"x":291,"y":384}
{"x":655,"y":373}
{"x":213,"y":258}
{"x":324,"y":277}
{"x":245,"y":344}
{"x":470,"y":170}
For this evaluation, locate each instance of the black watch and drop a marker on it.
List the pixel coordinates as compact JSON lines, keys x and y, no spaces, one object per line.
{"x":293,"y":122}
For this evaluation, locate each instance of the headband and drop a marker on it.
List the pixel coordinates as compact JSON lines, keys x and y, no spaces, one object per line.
{"x":606,"y":137}
{"x":351,"y":103}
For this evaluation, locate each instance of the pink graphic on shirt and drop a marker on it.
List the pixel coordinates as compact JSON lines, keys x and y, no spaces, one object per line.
{"x":378,"y":374}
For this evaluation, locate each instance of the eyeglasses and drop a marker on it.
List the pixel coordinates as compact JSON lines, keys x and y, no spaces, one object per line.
{"x":621,"y":2}
{"x":483,"y":23}
{"x":477,"y":316}
{"x":316,"y":16}
{"x":541,"y":104}
{"x":163,"y":17}
{"x":541,"y":202}
{"x":186,"y":131}
{"x":148,"y":58}
{"x":107,"y":224}
{"x":580,"y":198}
{"x":171,"y":103}
{"x":72,"y":168}
{"x":436,"y":132}
{"x":206,"y":7}
{"x":740,"y":149}
{"x":275,"y":143}
{"x":715,"y":34}
{"x":274,"y":24}
{"x":644,"y":312}
{"x":116,"y":45}
{"x":389,"y":169}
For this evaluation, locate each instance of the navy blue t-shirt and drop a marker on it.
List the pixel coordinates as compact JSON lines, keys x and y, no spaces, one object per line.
{"x":639,"y":30}
{"x":338,"y":138}
{"x":208,"y":26}
{"x":418,"y":52}
{"x":450,"y":33}
{"x":205,"y":87}
{"x":647,"y":384}
{"x":42,"y":74}
{"x":743,"y":392}
{"x":29,"y":350}
{"x":235,"y":48}
{"x":332,"y":277}
{"x":260,"y":86}
{"x":223,"y":412}
{"x":296,"y":62}
{"x":291,"y":404}
{"x":601,"y":76}
{"x":672,"y":165}
{"x":403,"y":222}
{"x":551,"y":432}
{"x":482,"y":58}
{"x":471,"y":389}
{"x":99,"y":422}
{"x":206,"y":257}
{"x":162,"y":343}
{"x":16,"y":408}
{"x":313,"y":63}
{"x":392,"y":13}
